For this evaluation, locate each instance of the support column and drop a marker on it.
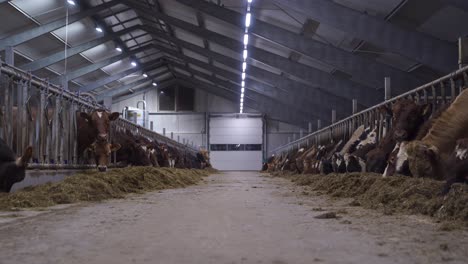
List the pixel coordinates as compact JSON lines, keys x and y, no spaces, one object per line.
{"x":462,"y":52}
{"x":64,"y":82}
{"x":319,"y":124}
{"x":310,"y":127}
{"x":388,"y":88}
{"x":355,"y":109}
{"x":10,"y":55}
{"x":333,"y":116}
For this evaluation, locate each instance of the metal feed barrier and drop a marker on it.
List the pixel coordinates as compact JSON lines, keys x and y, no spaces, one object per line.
{"x":435,"y":93}
{"x":34,"y":112}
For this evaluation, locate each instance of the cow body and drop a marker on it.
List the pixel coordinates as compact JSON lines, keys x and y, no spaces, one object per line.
{"x":427,"y":157}
{"x":12,"y":169}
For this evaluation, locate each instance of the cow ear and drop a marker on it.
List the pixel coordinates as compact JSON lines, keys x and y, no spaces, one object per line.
{"x":114,"y":116}
{"x":85,"y":116}
{"x":115,"y":147}
{"x":23,"y":161}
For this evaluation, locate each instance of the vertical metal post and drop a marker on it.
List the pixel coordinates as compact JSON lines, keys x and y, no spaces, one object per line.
{"x":178,"y":138}
{"x":164,"y":131}
{"x":462,"y":51}
{"x":289,"y":140}
{"x":310,"y":127}
{"x":64,"y":81}
{"x":151,"y":126}
{"x":388,"y":88}
{"x":355,"y":109}
{"x":333,"y":116}
{"x":10,"y":55}
{"x":172,"y":135}
{"x":301,"y":133}
{"x":319,"y":124}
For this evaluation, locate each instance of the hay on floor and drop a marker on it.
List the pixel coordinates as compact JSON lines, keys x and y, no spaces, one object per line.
{"x":396,"y":194}
{"x":95,"y":186}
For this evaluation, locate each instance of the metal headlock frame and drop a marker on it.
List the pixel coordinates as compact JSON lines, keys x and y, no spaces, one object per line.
{"x":436,"y":92}
{"x":45,"y":117}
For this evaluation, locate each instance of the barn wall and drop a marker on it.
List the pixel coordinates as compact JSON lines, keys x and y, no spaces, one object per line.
{"x":187,"y":125}
{"x":278,"y":134}
{"x":191,"y":125}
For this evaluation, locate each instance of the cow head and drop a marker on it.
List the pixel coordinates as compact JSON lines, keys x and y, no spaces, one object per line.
{"x":424,"y":160}
{"x":398,"y":161}
{"x":407,"y":118}
{"x":12,"y":172}
{"x":102,"y":152}
{"x":100,"y":122}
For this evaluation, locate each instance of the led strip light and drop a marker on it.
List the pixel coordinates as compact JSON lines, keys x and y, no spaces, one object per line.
{"x":245,"y":53}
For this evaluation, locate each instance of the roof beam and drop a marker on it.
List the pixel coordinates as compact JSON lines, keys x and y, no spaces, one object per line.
{"x":125,"y":87}
{"x":294,"y":89}
{"x":343,"y":87}
{"x":251,"y":83}
{"x":265,"y":107}
{"x":317,"y":107}
{"x":147,"y":67}
{"x":427,"y":50}
{"x":98,"y":65}
{"x":51,"y":26}
{"x":59,"y":56}
{"x":253,"y":94}
{"x":363,"y":70}
{"x":236,"y":63}
{"x":119,"y":98}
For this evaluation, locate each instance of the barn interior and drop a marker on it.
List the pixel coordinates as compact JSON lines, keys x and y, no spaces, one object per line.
{"x":254,"y":83}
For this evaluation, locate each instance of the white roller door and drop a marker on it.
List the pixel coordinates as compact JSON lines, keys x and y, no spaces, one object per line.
{"x":236,"y":143}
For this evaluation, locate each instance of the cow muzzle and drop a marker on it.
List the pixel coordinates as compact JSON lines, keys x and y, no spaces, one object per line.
{"x":401,"y":135}
{"x":102,"y":137}
{"x":102,"y":168}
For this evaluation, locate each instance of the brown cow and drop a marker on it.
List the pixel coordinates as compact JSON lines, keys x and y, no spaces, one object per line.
{"x":407,"y":118}
{"x":102,"y":151}
{"x":428,"y":156}
{"x":94,"y":129}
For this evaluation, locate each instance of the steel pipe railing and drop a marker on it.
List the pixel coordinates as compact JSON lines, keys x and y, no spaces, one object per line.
{"x":436,"y":92}
{"x":41,"y":114}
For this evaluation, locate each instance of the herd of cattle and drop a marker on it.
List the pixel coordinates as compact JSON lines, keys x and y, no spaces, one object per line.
{"x":420,"y":143}
{"x":96,"y":147}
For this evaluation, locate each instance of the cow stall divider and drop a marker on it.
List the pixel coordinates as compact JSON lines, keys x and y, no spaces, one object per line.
{"x":34,"y":112}
{"x":436,"y":93}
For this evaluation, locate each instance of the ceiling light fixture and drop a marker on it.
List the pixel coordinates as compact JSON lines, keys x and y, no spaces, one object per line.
{"x":245,"y":53}
{"x":155,"y":84}
{"x":145,"y":75}
{"x":71,"y":2}
{"x":99,"y":29}
{"x":118,"y":49}
{"x":134,"y":64}
{"x":247,"y":19}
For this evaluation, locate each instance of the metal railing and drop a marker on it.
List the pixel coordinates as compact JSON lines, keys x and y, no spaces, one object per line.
{"x":34,"y":112}
{"x":434,"y":93}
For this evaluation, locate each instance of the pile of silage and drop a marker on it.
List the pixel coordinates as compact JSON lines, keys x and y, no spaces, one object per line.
{"x":396,"y":194}
{"x":96,"y":186}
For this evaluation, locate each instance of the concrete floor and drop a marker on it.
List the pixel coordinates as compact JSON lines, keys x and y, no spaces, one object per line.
{"x":234,"y":217}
